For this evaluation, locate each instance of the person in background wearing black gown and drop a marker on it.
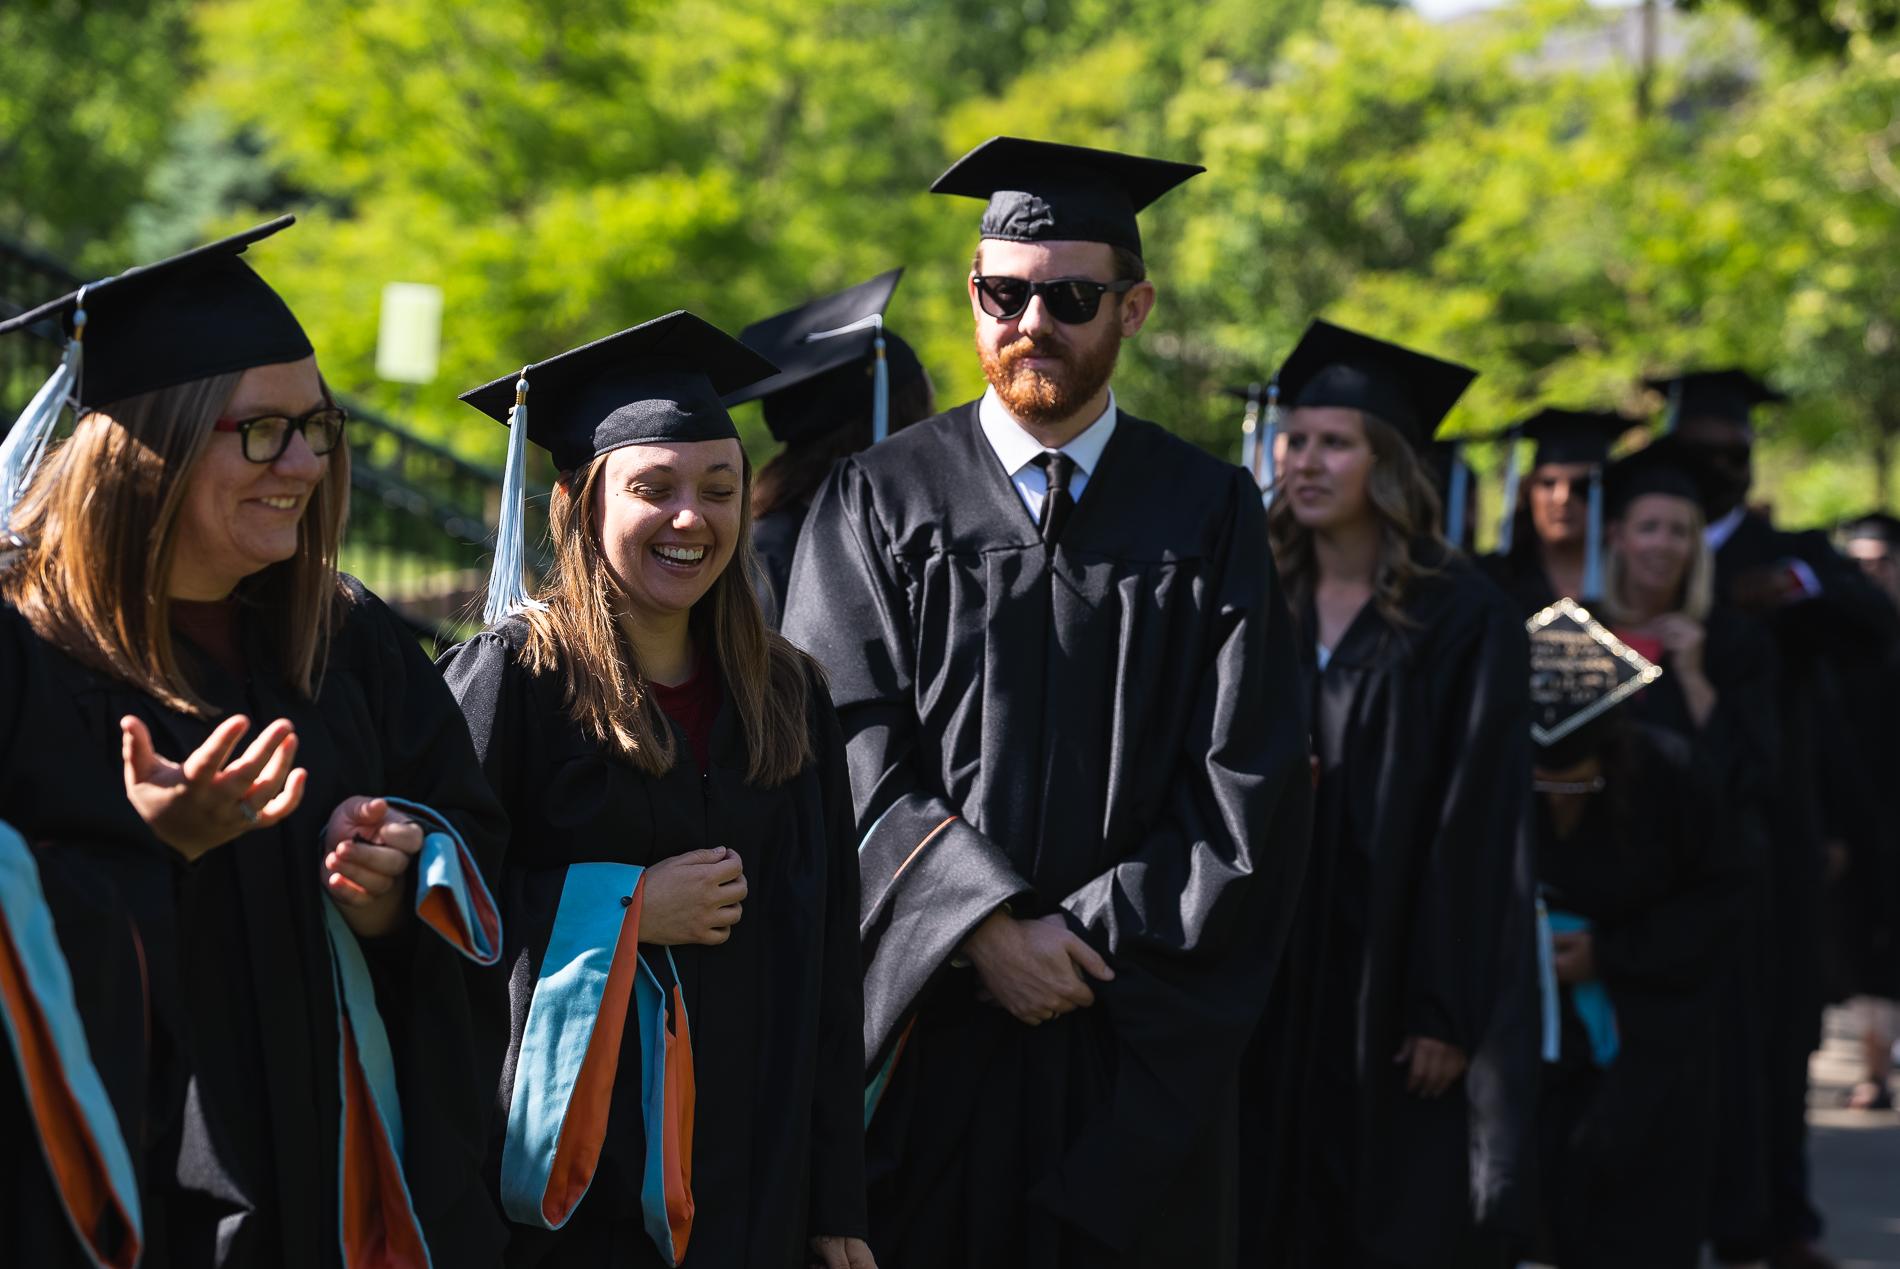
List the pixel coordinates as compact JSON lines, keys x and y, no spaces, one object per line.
{"x":1065,"y":676}
{"x":822,"y":406}
{"x":313,"y":1099}
{"x":1872,"y":899}
{"x":673,"y":774}
{"x":1647,"y":901}
{"x":1551,"y":526}
{"x":1821,"y":612}
{"x":1405,"y":1065}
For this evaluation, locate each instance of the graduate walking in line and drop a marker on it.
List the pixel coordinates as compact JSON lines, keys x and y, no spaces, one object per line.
{"x":682,"y":1083}
{"x":306,"y":878}
{"x":1398,"y":1061}
{"x":1065,"y":674}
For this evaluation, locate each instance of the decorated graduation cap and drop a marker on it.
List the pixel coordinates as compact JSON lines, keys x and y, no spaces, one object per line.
{"x":1580,"y":671}
{"x":1567,"y":436}
{"x":193,"y":316}
{"x":1730,"y":394}
{"x":659,"y":382}
{"x":836,"y":361}
{"x":1042,"y":191}
{"x":1334,"y":366}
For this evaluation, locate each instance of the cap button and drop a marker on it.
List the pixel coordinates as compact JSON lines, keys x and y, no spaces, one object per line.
{"x":626,"y":901}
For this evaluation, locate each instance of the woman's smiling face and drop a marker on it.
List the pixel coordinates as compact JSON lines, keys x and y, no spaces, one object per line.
{"x":669,"y":518}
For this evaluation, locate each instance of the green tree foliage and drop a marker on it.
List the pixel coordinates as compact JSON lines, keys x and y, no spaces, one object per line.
{"x":1482,"y":188}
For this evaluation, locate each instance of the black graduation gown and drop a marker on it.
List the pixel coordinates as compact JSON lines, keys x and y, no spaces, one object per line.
{"x":1417,"y":919}
{"x":1520,"y":575}
{"x":1849,"y":614}
{"x":1626,"y":1150}
{"x":1867,"y":906}
{"x":101,"y":949}
{"x":1109,"y":730}
{"x":775,"y":1011}
{"x":775,"y":538}
{"x":240,"y":967}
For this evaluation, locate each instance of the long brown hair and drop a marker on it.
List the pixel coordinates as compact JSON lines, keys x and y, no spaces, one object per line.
{"x":790,"y":478}
{"x":579,"y":634}
{"x":1408,"y":509}
{"x":98,"y":520}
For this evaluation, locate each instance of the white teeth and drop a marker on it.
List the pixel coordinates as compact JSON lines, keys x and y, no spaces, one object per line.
{"x":280,"y":504}
{"x":682,"y":554}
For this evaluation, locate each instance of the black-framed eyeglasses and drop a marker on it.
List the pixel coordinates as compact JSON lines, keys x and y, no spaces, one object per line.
{"x":1071,"y":301}
{"x":267,"y":436}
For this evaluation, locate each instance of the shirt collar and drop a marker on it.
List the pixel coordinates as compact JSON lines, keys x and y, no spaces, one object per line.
{"x":1016,"y":448}
{"x":1718,"y":534}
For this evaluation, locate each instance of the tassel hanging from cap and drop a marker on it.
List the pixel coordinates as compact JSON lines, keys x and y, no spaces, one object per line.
{"x":1269,"y":434}
{"x":1593,"y":545}
{"x":1507,"y":526}
{"x":507,"y":591}
{"x":25,"y":445}
{"x":1673,"y":419}
{"x":1458,"y":496}
{"x":1250,"y":433}
{"x":880,"y":386}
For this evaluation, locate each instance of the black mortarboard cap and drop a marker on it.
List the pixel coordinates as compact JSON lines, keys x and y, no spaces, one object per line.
{"x":1041,"y":191}
{"x":1333,"y":366}
{"x":1664,"y":466}
{"x":1723,"y":394}
{"x":826,"y":354}
{"x":1579,"y":672}
{"x":191,"y":317}
{"x":1874,"y":524}
{"x":1574,"y":436}
{"x":656,"y":382}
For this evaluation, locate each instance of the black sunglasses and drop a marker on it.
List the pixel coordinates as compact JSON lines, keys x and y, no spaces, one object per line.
{"x":1071,"y":301}
{"x":267,"y":436}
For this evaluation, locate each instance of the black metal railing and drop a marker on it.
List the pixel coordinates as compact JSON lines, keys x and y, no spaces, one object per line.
{"x":419,"y":531}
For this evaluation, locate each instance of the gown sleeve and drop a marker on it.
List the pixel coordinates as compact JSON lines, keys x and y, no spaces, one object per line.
{"x":928,"y":877}
{"x":1466,"y":882}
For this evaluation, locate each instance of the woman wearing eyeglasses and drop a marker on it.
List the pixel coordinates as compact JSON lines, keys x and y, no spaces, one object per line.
{"x":306,"y":814}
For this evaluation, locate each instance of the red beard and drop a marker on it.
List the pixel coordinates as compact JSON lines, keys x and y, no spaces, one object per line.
{"x":1049,"y":395}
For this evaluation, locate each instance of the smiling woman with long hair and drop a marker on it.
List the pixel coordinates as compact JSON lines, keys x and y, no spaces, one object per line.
{"x":1398,"y":981}
{"x":176,"y":562}
{"x":681,"y":890}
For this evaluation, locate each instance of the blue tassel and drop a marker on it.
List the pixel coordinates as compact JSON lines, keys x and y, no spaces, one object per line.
{"x":1270,"y":475}
{"x":1507,"y":527}
{"x":1674,"y":419}
{"x":880,"y":388}
{"x":1250,"y":433}
{"x":507,"y":593}
{"x":25,"y":445}
{"x":1459,"y":495}
{"x":1593,"y":545}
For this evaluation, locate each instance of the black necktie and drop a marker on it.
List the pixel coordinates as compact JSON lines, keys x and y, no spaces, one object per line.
{"x":1057,"y":502}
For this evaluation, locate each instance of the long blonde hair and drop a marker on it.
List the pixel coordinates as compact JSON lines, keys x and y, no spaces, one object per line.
{"x":579,"y":635}
{"x":99,"y":522}
{"x":1695,"y":600}
{"x":1409,"y":511}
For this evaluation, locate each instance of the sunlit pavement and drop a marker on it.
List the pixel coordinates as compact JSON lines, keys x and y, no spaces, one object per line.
{"x":1856,"y":1159}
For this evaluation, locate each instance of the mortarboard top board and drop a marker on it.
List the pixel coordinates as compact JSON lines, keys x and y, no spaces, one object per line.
{"x":1333,"y":366}
{"x":1579,"y":671}
{"x":1873,"y":524}
{"x":1042,"y":191}
{"x":193,"y":316}
{"x":660,"y":381}
{"x":1574,"y":436}
{"x":1723,"y":394}
{"x":1664,"y":466}
{"x":825,"y":352}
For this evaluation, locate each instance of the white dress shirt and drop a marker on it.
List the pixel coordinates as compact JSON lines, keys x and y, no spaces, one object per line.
{"x":1017,"y":450}
{"x":1718,"y":534}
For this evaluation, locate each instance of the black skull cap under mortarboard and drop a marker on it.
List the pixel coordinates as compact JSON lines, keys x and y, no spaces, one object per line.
{"x":1579,"y":671}
{"x":1334,"y":366}
{"x":824,"y":351}
{"x":1724,"y":394}
{"x":1574,"y":436}
{"x":191,"y":317}
{"x":1043,"y":191}
{"x":658,"y":382}
{"x":1664,"y":466}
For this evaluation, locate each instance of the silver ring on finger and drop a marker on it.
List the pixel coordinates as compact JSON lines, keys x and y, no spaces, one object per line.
{"x":247,"y":811}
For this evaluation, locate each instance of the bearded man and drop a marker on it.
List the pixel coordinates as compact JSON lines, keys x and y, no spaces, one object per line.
{"x":1066,"y":680}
